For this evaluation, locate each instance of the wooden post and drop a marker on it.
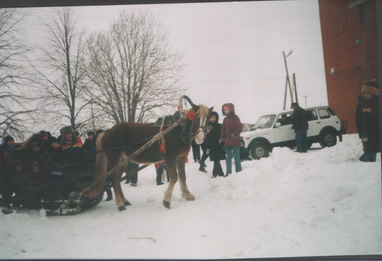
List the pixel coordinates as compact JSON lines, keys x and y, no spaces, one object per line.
{"x":285,"y":93}
{"x":306,"y":100}
{"x":288,"y":80}
{"x":295,"y":87}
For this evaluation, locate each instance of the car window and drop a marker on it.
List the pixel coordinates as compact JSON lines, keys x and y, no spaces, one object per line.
{"x":265,"y":121}
{"x":246,"y":127}
{"x":324,"y":113}
{"x":311,"y":115}
{"x":284,"y":119}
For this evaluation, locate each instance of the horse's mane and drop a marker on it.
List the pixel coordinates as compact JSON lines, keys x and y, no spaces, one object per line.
{"x":203,"y":110}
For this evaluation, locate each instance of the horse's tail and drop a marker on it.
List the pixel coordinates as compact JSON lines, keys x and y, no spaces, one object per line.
{"x":101,"y":167}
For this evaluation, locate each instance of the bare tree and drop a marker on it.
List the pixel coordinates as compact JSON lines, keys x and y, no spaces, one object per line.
{"x":132,"y":68}
{"x":11,"y":57}
{"x":61,"y":71}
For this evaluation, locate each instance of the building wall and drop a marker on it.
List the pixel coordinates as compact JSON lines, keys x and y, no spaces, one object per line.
{"x":349,"y":36}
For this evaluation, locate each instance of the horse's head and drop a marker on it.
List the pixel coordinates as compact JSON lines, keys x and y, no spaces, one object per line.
{"x":199,"y":116}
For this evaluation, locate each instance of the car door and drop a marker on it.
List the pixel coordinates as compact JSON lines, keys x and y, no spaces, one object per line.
{"x":315,"y":124}
{"x":283,"y":128}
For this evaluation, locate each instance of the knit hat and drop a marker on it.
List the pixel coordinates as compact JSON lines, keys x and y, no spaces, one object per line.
{"x":371,"y":87}
{"x":8,"y":138}
{"x":43,"y":133}
{"x":91,"y":133}
{"x":34,"y":144}
{"x":52,"y":140}
{"x":66,"y":129}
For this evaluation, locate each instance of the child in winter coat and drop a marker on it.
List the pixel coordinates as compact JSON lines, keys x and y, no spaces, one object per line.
{"x":216,"y":150}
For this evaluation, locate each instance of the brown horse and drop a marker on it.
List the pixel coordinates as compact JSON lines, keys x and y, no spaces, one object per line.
{"x":123,"y":139}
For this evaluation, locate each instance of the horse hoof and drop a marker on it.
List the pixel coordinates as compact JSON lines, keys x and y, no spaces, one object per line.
{"x":127,"y":203}
{"x":167,"y":204}
{"x":188,"y":197}
{"x":121,"y":208}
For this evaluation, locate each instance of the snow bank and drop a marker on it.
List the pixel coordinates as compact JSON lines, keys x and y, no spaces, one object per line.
{"x":324,"y":202}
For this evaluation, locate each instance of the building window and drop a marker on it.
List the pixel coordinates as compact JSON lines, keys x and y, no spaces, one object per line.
{"x":362,"y":14}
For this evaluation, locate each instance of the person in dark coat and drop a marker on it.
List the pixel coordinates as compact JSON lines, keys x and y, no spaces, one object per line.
{"x":90,"y":147}
{"x":367,"y":121}
{"x":90,"y":144}
{"x":32,"y":162}
{"x":51,"y":159}
{"x":216,"y":151}
{"x":72,"y":150}
{"x":43,"y":138}
{"x":132,"y":173}
{"x":160,"y":167}
{"x":300,"y":126}
{"x":230,"y":136}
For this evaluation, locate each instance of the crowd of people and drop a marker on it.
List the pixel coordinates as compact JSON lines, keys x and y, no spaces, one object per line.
{"x":43,"y":156}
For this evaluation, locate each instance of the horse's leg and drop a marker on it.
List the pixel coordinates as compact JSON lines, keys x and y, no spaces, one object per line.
{"x":180,"y":164}
{"x":120,"y":199}
{"x":171,"y":167}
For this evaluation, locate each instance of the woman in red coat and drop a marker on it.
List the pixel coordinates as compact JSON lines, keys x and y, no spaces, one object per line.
{"x":230,"y":136}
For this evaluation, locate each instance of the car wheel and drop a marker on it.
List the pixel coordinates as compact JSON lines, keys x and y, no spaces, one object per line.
{"x":328,"y":139}
{"x":259,"y":150}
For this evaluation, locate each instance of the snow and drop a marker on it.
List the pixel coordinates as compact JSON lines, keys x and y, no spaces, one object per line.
{"x":321,"y":203}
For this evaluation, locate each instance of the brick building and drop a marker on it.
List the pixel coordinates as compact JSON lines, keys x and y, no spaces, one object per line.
{"x":349,"y":36}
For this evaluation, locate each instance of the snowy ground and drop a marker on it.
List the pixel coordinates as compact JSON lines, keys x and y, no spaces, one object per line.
{"x":321,"y":203}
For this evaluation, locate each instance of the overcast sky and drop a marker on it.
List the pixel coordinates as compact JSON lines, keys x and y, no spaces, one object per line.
{"x":233,"y":51}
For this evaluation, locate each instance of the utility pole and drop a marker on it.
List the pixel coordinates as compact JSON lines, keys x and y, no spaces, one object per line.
{"x":285,"y":93}
{"x":287,"y":75}
{"x":295,"y":87}
{"x":306,"y":100}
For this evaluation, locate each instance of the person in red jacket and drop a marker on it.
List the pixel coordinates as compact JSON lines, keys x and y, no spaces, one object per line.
{"x":230,"y":136}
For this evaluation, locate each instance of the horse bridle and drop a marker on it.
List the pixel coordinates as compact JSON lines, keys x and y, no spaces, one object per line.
{"x":202,"y":128}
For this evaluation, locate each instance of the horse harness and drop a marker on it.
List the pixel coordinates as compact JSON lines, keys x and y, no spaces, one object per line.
{"x":170,"y":119}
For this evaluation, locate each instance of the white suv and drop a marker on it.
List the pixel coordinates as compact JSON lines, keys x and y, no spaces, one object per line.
{"x":275,"y":130}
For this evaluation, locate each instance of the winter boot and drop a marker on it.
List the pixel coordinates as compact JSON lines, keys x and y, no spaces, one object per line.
{"x":202,"y":168}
